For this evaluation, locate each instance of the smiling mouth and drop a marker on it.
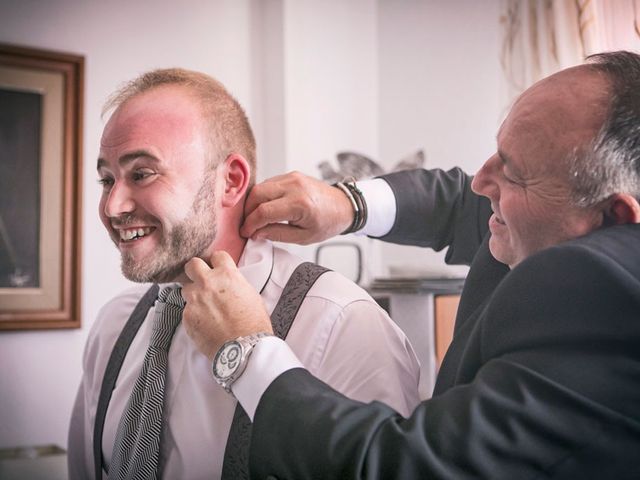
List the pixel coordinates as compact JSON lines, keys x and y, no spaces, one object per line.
{"x":132,"y":234}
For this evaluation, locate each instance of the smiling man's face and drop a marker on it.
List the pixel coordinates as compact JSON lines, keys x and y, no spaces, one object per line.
{"x":527,"y":180}
{"x":158,"y":199}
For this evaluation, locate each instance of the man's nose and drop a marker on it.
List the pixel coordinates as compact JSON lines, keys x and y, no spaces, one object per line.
{"x":484,"y":182}
{"x":119,"y":202}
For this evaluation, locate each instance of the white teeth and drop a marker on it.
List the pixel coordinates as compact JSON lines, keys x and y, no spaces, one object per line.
{"x":132,"y":233}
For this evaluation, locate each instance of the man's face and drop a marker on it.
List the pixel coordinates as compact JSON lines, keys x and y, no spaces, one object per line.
{"x":527,"y":179}
{"x":158,"y":199}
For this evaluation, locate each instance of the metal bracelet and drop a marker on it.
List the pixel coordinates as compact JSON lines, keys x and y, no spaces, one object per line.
{"x":354,"y":204}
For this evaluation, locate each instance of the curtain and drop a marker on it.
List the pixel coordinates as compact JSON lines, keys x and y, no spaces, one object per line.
{"x":541,"y":37}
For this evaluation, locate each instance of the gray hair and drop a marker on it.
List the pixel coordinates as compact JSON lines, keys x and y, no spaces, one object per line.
{"x":610,"y":164}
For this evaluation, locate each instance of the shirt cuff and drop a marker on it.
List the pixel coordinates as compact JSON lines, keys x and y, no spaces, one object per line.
{"x":381,"y":207}
{"x":270,"y":358}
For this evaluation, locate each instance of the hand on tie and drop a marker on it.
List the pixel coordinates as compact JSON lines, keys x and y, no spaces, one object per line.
{"x":221,"y":304}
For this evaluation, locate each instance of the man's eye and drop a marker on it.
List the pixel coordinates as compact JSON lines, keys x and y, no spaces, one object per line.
{"x":141,"y":175}
{"x":106,"y":181}
{"x":512,"y":180}
{"x":508,"y":178}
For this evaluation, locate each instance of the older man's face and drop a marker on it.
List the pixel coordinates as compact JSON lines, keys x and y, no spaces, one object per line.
{"x":527,"y":179}
{"x":158,"y":200}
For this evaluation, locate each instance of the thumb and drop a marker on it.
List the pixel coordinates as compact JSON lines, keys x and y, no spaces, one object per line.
{"x":283,"y":232}
{"x":196,"y":269}
{"x":221,"y":259}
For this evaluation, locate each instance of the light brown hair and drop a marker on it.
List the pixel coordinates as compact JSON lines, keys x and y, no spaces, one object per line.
{"x":228,"y":123}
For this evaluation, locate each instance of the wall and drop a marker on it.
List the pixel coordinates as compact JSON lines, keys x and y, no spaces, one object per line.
{"x":376,"y":76}
{"x":385,"y":78}
{"x":439,"y":91}
{"x":331,"y":93}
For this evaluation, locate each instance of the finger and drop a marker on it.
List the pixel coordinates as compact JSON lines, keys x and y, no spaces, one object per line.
{"x":283,"y":177}
{"x":196,"y":269}
{"x":221,"y":259}
{"x":276,"y":187}
{"x":273,"y":212}
{"x":263,"y":192}
{"x":281,"y":232}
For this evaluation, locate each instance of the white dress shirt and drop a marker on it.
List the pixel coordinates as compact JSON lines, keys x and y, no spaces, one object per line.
{"x":340,"y":335}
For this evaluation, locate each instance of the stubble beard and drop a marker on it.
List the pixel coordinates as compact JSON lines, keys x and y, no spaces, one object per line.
{"x":190,"y":238}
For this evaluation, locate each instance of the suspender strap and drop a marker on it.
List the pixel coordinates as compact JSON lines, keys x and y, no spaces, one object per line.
{"x":113,"y":369}
{"x":300,"y":282}
{"x":236,"y":454}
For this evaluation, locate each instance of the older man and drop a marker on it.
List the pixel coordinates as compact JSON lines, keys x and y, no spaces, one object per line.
{"x":176,"y":161}
{"x":542,"y":377}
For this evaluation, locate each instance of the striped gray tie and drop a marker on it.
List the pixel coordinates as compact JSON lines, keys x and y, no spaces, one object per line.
{"x":137,"y":446}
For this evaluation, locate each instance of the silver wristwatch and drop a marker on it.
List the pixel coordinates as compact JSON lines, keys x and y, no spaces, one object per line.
{"x":231,"y":359}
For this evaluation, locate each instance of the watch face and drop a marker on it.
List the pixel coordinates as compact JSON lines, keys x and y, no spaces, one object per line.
{"x":228,"y":360}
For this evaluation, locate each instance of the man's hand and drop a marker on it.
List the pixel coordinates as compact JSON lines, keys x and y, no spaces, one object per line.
{"x":314,"y":210}
{"x":221,"y":304}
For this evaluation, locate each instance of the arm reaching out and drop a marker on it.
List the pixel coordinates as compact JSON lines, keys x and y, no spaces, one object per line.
{"x":295,"y":208}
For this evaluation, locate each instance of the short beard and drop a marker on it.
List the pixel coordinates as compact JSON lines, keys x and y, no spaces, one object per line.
{"x":187,"y":240}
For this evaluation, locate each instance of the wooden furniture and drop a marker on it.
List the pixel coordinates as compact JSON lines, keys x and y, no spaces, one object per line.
{"x":445,"y":309}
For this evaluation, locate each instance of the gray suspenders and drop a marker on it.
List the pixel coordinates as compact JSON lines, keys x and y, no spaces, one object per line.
{"x":113,"y":369}
{"x":236,"y":455}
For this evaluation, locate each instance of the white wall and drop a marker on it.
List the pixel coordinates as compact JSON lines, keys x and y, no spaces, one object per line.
{"x":378,"y":76}
{"x":385,"y":78}
{"x":439,"y":91}
{"x":330,"y":89}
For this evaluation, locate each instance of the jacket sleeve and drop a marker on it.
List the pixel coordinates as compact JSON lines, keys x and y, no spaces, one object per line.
{"x":549,"y":394}
{"x":437,"y":209}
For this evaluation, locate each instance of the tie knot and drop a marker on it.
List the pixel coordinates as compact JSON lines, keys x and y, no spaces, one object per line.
{"x":168,"y":315}
{"x":172,"y":296}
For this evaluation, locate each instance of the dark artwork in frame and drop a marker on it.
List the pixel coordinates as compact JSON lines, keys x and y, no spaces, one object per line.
{"x":41,"y":93}
{"x":20,"y":144}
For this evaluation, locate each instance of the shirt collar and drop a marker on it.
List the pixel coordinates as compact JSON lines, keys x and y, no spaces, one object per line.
{"x":256,"y":263}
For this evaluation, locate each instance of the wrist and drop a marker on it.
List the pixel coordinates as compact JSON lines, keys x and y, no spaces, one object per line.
{"x":357,"y":202}
{"x":232,"y":357}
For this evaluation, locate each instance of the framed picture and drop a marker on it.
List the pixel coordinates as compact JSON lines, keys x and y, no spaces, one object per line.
{"x":40,"y":188}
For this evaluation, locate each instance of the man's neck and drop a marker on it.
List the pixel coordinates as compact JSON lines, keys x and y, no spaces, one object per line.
{"x":234,"y":246}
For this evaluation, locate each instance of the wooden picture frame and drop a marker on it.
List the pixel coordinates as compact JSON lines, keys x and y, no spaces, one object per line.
{"x":41,"y":93}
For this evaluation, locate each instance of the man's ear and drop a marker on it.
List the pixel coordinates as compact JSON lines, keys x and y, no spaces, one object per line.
{"x":236,"y":175}
{"x":622,"y":208}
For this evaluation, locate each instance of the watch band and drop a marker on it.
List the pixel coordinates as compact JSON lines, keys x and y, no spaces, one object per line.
{"x":231,"y":360}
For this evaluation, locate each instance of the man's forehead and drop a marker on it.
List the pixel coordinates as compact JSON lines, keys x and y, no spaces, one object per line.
{"x":571,"y":103}
{"x":164,"y":117}
{"x":575,"y":87}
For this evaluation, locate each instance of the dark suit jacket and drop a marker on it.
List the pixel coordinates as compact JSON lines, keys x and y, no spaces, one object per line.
{"x":542,"y":379}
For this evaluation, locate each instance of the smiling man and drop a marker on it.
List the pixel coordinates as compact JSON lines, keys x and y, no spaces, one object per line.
{"x":541,"y":379}
{"x":158,"y":181}
{"x":528,"y":180}
{"x":177,"y":158}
